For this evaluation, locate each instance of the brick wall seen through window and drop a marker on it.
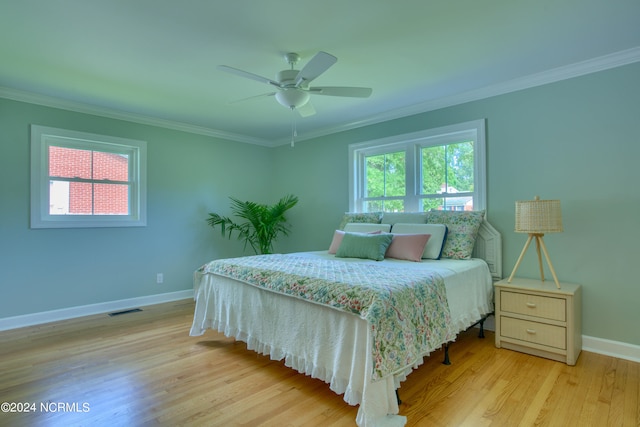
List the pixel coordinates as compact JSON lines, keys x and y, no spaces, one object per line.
{"x":71,"y":195}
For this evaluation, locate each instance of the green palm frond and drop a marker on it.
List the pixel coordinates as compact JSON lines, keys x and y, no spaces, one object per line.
{"x":263,"y":222}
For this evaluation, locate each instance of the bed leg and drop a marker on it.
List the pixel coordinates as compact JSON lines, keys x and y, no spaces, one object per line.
{"x":446,"y":360}
{"x":481,"y":333}
{"x":398,"y":397}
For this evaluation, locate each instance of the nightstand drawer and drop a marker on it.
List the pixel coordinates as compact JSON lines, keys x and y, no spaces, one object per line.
{"x":534,"y":332}
{"x":534,"y":305}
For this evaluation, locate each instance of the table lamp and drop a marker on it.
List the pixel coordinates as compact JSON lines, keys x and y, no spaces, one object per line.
{"x":538,"y":217}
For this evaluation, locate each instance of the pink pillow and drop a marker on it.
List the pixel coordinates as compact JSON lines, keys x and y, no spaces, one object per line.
{"x":335,"y":243}
{"x":337,"y":239}
{"x":407,"y":246}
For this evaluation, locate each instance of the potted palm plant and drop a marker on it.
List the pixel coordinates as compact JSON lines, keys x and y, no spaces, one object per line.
{"x":263,"y":222}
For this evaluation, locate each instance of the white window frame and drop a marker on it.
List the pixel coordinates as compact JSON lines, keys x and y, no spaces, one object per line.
{"x":42,"y":137}
{"x":411,"y":143}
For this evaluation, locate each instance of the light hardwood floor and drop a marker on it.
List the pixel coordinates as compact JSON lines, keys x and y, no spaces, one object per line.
{"x":144,"y":369}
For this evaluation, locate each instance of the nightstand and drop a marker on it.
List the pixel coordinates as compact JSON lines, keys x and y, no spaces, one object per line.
{"x":537,"y":318}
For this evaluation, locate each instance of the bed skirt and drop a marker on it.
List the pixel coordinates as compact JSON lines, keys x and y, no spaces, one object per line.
{"x":336,"y":349}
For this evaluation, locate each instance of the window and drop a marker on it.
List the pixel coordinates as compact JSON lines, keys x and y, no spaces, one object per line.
{"x":441,"y":168}
{"x":85,"y":180}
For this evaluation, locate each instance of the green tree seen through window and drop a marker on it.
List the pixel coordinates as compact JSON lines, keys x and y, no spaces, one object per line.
{"x":438,"y":168}
{"x":447,"y":169}
{"x":386,"y":178}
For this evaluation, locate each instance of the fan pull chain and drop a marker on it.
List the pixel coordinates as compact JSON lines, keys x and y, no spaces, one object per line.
{"x":294,"y":130}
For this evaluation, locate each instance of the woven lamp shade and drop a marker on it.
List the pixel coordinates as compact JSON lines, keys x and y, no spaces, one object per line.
{"x":538,"y":216}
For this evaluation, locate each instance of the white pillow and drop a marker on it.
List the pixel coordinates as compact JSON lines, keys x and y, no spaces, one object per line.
{"x":366,"y":227}
{"x":438,"y":232}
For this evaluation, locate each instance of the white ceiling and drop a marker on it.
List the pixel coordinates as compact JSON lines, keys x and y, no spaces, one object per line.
{"x":156,"y":60}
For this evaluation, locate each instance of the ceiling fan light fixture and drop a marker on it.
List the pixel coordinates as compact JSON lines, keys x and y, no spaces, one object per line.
{"x":293,"y":87}
{"x":292,"y":98}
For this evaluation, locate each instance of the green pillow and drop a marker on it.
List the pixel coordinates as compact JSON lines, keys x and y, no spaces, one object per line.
{"x":366,"y":246}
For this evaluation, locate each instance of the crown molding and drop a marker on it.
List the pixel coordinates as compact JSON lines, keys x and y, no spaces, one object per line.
{"x":590,"y":66}
{"x":594,"y":65}
{"x":78,"y":107}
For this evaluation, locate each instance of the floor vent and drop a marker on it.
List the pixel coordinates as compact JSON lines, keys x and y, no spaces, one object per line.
{"x":118,"y":313}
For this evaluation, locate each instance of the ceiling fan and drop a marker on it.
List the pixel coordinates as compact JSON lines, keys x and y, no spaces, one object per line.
{"x":293,"y":90}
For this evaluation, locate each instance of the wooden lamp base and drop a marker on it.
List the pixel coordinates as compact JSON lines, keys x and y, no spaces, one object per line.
{"x":539,"y":244}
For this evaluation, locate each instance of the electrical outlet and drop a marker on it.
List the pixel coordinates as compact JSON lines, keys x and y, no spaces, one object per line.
{"x":159,"y":278}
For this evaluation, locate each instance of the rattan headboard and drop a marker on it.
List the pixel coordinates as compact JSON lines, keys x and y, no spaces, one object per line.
{"x":489,"y":248}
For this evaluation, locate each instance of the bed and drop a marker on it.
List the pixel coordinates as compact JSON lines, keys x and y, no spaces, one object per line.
{"x":271,"y":302}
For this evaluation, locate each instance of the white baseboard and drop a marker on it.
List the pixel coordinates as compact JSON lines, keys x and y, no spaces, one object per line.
{"x":617,"y":349}
{"x":87,"y":310}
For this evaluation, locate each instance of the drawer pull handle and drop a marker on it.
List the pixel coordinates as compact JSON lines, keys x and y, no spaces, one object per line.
{"x":531,"y":305}
{"x":531,"y":331}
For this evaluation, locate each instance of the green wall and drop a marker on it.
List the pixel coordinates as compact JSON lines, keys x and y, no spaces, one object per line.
{"x":188,"y":176}
{"x":574,"y":140}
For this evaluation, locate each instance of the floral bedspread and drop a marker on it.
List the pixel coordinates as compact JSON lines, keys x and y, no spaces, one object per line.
{"x":407,"y":310}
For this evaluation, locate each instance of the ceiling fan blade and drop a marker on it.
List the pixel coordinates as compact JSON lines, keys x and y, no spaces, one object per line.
{"x":306,"y":110}
{"x":316,"y":66}
{"x":351,"y":92}
{"x":248,"y":75}
{"x":252,"y":97}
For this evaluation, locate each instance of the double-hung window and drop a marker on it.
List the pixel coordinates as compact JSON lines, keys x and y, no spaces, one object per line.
{"x":441,"y":168}
{"x":86,"y":180}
